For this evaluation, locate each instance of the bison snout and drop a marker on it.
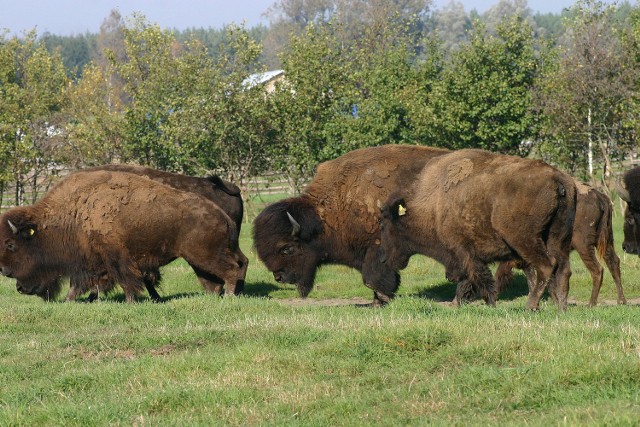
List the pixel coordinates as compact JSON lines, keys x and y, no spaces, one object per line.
{"x":630,"y":248}
{"x":278,"y":276}
{"x":6,"y":271}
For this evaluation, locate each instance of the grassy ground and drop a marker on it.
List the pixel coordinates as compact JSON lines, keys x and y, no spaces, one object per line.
{"x":267,"y":359}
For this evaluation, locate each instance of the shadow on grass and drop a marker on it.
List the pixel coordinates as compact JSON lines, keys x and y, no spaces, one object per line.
{"x":446,"y":291}
{"x":260,"y":289}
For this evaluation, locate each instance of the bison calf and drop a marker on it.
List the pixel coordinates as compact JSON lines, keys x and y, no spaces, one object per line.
{"x":118,"y":227}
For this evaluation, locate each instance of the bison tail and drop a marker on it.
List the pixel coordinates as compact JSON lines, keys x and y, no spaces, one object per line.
{"x":227,"y":187}
{"x":605,"y":230}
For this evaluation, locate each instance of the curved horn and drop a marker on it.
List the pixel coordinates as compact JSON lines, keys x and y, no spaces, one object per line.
{"x":622,"y":191}
{"x":296,"y":227}
{"x":12,"y":227}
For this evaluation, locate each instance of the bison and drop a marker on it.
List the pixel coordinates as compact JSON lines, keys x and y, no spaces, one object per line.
{"x":628,"y":189}
{"x":223,"y":193}
{"x":117,"y":225}
{"x":592,"y":232}
{"x":470,"y":208}
{"x":335,"y":220}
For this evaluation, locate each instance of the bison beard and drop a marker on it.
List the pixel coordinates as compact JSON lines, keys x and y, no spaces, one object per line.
{"x":335,"y":220}
{"x":106,"y":227}
{"x":470,"y":208}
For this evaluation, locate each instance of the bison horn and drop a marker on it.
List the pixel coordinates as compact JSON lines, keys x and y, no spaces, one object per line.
{"x":622,"y":191}
{"x":296,"y":227}
{"x":13,"y":228}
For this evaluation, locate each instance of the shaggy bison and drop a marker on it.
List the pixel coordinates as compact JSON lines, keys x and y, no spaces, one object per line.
{"x":592,"y":232}
{"x":470,"y":208}
{"x":223,"y":193}
{"x":121,"y":226}
{"x":335,"y":220}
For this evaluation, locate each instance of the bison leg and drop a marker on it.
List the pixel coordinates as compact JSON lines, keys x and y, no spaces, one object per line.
{"x":380,"y":277}
{"x":503,"y":276}
{"x":243,"y":262}
{"x":588,"y":256}
{"x":613,"y":264}
{"x":479,"y":281}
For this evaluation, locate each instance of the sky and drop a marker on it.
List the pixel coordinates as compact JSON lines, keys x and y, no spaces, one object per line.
{"x":71,"y":17}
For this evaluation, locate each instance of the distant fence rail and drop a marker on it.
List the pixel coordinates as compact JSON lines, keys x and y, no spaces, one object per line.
{"x":270,"y":183}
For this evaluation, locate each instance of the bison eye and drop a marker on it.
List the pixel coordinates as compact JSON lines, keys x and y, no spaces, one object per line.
{"x":10,"y":245}
{"x":287,"y":250}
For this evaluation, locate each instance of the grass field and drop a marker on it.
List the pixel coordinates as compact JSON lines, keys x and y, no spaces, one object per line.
{"x":269,"y":359}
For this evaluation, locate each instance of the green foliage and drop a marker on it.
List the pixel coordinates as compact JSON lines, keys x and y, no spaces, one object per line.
{"x":484,"y":97}
{"x":588,"y":97}
{"x":31,"y":89}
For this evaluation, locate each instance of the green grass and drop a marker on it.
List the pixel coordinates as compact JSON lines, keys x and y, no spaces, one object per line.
{"x":197,"y":359}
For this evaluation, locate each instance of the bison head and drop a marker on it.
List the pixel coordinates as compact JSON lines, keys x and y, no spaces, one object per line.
{"x":286,"y":235}
{"x":393,"y":234}
{"x":20,"y":256}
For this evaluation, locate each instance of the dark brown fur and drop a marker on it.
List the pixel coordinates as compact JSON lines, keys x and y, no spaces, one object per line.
{"x":592,"y":233}
{"x":338,"y":218}
{"x":119,"y":224}
{"x":470,"y":208}
{"x":629,"y":191}
{"x":223,"y":193}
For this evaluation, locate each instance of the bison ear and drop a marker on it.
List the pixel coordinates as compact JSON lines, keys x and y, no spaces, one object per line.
{"x":398,"y":208}
{"x":295,"y":231}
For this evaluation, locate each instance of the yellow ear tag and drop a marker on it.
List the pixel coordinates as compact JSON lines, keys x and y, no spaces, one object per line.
{"x":401,"y":210}
{"x":32,"y":232}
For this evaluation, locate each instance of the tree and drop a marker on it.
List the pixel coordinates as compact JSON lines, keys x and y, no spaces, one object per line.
{"x":32,"y":83}
{"x":587,"y":96}
{"x":484,"y":96}
{"x":316,"y":79}
{"x":452,"y":25}
{"x":94,"y":120}
{"x":222,"y":122}
{"x":151,"y":77}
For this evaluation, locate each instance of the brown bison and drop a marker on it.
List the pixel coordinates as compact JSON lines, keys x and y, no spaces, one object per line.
{"x":470,"y":208}
{"x":335,"y":220}
{"x":629,"y":191}
{"x":121,"y":225}
{"x":223,"y":193}
{"x":592,"y":232}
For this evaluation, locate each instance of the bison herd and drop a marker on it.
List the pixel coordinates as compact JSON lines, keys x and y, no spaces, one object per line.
{"x":370,"y":209}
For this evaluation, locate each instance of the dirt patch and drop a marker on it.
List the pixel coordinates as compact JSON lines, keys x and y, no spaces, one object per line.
{"x":363,"y":302}
{"x":327,"y":302}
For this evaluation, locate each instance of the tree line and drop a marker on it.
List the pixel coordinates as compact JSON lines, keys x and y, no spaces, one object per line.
{"x":357,"y":74}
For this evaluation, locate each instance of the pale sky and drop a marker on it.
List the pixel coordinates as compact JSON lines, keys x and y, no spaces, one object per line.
{"x":68,"y":17}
